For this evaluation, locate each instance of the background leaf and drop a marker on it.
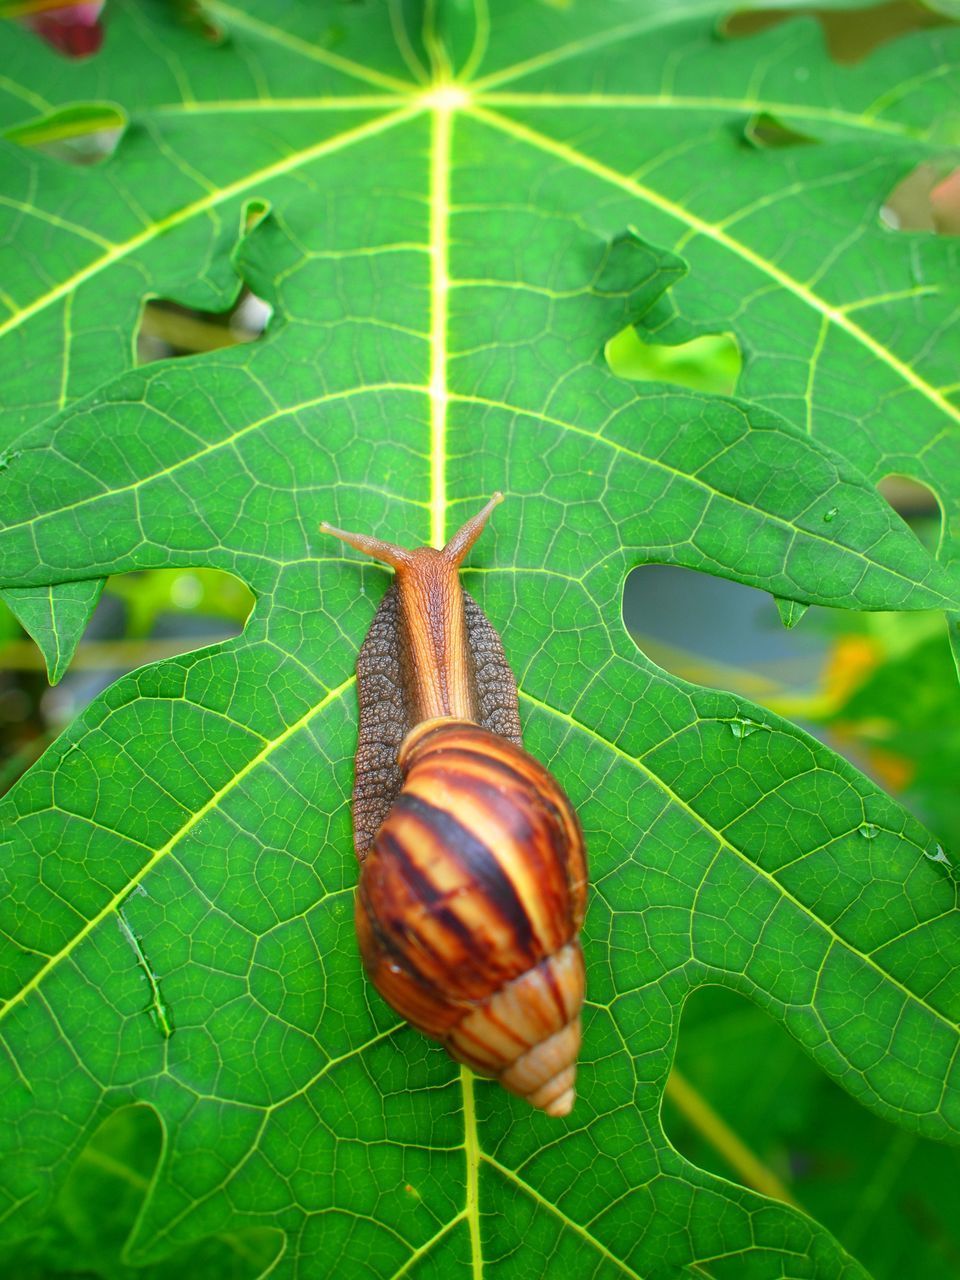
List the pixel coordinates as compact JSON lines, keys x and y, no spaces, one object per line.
{"x":96,"y":1209}
{"x":446,"y":263}
{"x":887,"y":1195}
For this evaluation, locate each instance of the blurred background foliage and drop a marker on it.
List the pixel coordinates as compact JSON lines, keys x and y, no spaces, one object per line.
{"x":97,"y":1208}
{"x":744,"y":1101}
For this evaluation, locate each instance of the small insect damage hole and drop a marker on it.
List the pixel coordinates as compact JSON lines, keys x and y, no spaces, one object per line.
{"x":83,"y":133}
{"x":746,"y":1102}
{"x":710,"y":362}
{"x":96,"y":1211}
{"x":927,"y":199}
{"x":910,"y":498}
{"x":917,"y":504}
{"x":768,"y":132}
{"x":142,"y":617}
{"x":168,"y":329}
{"x":850,"y":35}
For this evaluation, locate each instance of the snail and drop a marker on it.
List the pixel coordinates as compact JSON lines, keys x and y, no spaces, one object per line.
{"x":473,"y":874}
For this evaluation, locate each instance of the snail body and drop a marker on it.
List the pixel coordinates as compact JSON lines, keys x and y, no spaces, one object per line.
{"x":473,"y":874}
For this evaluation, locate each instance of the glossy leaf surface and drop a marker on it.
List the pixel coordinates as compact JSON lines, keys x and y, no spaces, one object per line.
{"x":451,"y":214}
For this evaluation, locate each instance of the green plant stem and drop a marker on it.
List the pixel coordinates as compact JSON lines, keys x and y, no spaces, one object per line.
{"x":714,"y":1130}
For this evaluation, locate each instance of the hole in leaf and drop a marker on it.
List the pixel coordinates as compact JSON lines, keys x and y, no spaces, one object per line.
{"x":721,"y":634}
{"x":909,"y":497}
{"x":710,"y":363}
{"x":84,"y":133}
{"x":24,"y":736}
{"x":96,"y":1211}
{"x":879,"y":689}
{"x":767,"y":133}
{"x":917,"y":504}
{"x":168,"y":329}
{"x":193,"y":15}
{"x":142,"y":617}
{"x":850,"y":36}
{"x":925,"y":200}
{"x":73,"y":29}
{"x":748,"y":1103}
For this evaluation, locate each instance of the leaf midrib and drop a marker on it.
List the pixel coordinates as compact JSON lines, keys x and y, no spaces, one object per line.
{"x":294,"y":44}
{"x":679,"y":102}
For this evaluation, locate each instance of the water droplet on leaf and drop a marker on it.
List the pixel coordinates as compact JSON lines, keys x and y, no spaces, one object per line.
{"x":831,"y":514}
{"x":937,"y":856}
{"x":868,"y":830}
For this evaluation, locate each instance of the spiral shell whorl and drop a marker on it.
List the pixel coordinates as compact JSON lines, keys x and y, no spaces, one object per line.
{"x":469,"y":905}
{"x":528,"y":1032}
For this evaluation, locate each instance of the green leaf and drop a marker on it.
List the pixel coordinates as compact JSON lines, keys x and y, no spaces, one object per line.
{"x":56,"y":617}
{"x":791,"y":611}
{"x":74,"y":121}
{"x":97,"y":1207}
{"x":447,"y":263}
{"x":886,"y":1194}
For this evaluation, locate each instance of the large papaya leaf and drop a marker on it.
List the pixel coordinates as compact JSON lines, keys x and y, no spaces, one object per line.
{"x":846,"y":328}
{"x":176,"y":911}
{"x":64,"y":328}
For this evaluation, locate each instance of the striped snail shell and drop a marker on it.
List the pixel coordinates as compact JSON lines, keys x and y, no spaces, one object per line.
{"x":472,"y":863}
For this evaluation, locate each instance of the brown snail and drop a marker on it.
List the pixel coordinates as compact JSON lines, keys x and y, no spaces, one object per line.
{"x":473,"y":875}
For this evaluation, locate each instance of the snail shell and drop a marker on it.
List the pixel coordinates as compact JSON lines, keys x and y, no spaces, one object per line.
{"x":472,"y":862}
{"x":469,"y":905}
